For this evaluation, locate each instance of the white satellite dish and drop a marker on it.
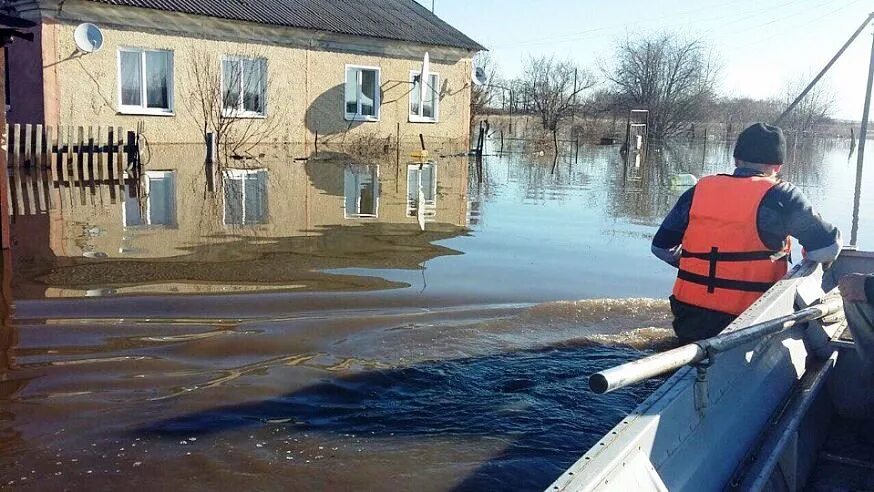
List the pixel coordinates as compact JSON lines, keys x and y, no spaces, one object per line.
{"x":479,"y":76}
{"x":423,"y":78}
{"x":88,"y":38}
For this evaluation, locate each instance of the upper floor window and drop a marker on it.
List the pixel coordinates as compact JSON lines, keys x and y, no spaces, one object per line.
{"x":145,"y":81}
{"x":426,"y":112}
{"x":362,"y":93}
{"x":244,"y":86}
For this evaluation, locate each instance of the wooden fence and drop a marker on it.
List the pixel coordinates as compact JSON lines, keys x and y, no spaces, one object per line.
{"x":51,"y":167}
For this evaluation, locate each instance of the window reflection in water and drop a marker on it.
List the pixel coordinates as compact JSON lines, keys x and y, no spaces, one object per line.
{"x":421,"y":189}
{"x":158,"y":205}
{"x":361,"y":191}
{"x":245,"y":193}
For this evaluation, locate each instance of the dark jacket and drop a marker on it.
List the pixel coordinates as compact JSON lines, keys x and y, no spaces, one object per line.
{"x":784,"y":211}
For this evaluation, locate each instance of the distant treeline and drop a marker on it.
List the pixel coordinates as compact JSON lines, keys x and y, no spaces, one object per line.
{"x":672,"y":77}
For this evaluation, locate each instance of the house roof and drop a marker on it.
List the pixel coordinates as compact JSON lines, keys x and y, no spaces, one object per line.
{"x":403,"y":20}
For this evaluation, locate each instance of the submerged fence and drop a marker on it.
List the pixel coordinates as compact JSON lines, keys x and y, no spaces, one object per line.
{"x":48,"y":167}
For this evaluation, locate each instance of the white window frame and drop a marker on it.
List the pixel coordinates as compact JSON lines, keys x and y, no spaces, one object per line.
{"x":430,"y":206}
{"x":377,"y":98}
{"x":419,"y":118}
{"x":241,"y":174}
{"x":146,"y":214}
{"x":241,"y":113}
{"x":171,"y":85}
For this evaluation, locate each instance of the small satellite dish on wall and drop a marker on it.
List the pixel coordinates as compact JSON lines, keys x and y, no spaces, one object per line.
{"x":479,"y":76}
{"x":88,"y":38}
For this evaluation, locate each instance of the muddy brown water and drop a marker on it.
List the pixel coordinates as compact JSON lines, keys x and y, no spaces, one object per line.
{"x":294,"y":328}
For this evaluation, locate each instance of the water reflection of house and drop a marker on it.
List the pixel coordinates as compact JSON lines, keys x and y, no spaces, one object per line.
{"x":340,"y":212}
{"x":291,"y":70}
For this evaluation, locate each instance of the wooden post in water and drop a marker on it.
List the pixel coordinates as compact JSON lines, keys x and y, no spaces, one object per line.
{"x":210,"y":148}
{"x":576,"y":149}
{"x":863,"y":135}
{"x":502,"y":143}
{"x":398,"y":147}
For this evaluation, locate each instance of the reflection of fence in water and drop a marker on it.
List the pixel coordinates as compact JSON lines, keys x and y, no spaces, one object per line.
{"x":46,"y":165}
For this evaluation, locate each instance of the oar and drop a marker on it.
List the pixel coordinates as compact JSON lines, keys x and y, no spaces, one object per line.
{"x":654,"y":365}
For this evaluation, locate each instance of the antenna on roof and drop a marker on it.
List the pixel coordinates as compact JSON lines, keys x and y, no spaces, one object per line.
{"x":424,"y":82}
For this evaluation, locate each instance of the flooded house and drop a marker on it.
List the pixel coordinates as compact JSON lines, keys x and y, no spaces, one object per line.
{"x":273,"y":72}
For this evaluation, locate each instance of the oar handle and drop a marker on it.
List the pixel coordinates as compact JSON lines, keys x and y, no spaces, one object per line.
{"x":654,"y":365}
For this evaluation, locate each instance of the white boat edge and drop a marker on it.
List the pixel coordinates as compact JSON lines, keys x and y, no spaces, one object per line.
{"x":693,"y":436}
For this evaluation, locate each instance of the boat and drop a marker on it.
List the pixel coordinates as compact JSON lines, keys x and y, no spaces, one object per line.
{"x":765,"y":405}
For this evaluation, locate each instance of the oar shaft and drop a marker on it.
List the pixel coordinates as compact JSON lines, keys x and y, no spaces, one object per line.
{"x":645,"y":368}
{"x":654,"y":365}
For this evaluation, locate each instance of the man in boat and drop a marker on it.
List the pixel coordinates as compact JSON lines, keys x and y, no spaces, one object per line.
{"x":858,"y":293}
{"x":729,"y":236}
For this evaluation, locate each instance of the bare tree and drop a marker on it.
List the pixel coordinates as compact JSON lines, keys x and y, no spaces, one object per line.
{"x":673,"y":78}
{"x":736,"y":113}
{"x":481,"y":96}
{"x":813,"y":111}
{"x":228,"y":99}
{"x":554,"y":87}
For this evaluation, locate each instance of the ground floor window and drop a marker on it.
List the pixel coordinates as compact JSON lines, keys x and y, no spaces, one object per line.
{"x":362,"y":93}
{"x":245,"y":193}
{"x":157,"y":205}
{"x":421,"y":189}
{"x":427,"y":111}
{"x":361,"y":191}
{"x":145,"y":80}
{"x":244,"y":86}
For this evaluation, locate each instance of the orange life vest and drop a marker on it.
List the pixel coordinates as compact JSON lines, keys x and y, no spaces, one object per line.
{"x":724,"y":265}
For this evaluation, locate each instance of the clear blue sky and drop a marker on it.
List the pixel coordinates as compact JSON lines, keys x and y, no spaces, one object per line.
{"x":761,"y":43}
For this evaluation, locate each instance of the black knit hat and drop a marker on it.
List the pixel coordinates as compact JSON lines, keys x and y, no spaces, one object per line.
{"x":761,"y":144}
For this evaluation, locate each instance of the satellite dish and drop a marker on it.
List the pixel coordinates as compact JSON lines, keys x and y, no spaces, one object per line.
{"x":88,"y":38}
{"x":479,"y":76}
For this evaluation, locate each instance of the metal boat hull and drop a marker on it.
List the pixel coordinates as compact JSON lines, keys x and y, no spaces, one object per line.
{"x":704,"y":428}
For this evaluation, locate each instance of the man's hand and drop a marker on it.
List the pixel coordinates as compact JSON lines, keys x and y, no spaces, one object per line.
{"x":853,"y":287}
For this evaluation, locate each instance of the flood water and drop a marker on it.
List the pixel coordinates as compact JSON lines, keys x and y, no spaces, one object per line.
{"x":288,"y":325}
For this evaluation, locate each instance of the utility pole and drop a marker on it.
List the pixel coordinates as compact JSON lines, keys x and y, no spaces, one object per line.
{"x":432,"y":6}
{"x":863,"y":135}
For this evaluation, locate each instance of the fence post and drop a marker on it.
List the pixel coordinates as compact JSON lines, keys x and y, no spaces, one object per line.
{"x":90,"y":161}
{"x":4,"y":195}
{"x":80,"y":164}
{"x":12,"y":143}
{"x":47,"y":180}
{"x":131,"y":150}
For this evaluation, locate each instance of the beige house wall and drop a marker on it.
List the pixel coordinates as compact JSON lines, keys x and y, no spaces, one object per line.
{"x":306,"y":72}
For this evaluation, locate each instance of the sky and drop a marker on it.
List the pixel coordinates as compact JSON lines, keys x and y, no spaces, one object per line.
{"x":761,"y":45}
